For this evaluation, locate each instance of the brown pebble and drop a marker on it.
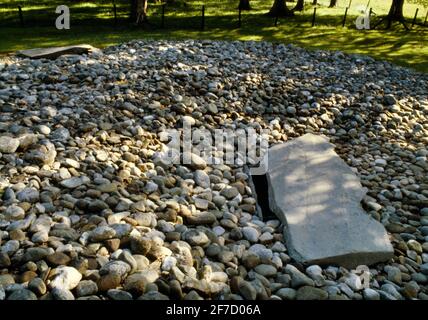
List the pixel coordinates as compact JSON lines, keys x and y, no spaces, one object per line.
{"x":25,"y":205}
{"x":140,"y":245}
{"x":27,"y":276}
{"x":92,"y":264}
{"x":112,"y":244}
{"x":37,"y":286}
{"x":4,"y":260}
{"x":172,"y":236}
{"x":109,"y":281}
{"x":234,"y":284}
{"x":58,"y":259}
{"x":175,"y":289}
{"x":17,"y":235}
{"x":80,"y":264}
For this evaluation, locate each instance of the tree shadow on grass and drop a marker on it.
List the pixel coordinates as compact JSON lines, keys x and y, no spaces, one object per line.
{"x":405,"y":48}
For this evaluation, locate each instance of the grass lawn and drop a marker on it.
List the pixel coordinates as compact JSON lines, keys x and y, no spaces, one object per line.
{"x":92,"y":22}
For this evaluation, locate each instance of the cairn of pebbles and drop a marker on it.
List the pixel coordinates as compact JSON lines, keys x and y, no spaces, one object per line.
{"x":87,"y":210}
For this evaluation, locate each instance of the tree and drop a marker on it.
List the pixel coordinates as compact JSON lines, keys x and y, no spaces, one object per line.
{"x":133,"y":10}
{"x":280,"y":9}
{"x":395,"y":13}
{"x":244,"y":5}
{"x":333,"y":3}
{"x":138,"y":12}
{"x":396,"y":10}
{"x":300,"y":5}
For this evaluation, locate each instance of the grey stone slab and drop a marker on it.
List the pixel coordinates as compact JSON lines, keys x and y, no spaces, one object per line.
{"x":318,"y":198}
{"x":55,"y":52}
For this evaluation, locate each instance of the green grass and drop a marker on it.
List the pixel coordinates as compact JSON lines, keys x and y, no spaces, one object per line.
{"x":92,"y":22}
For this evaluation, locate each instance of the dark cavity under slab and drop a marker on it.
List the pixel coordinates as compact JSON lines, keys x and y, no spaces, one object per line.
{"x":261,"y":193}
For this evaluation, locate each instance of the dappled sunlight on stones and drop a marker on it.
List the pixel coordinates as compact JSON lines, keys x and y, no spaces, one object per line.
{"x":317,"y":197}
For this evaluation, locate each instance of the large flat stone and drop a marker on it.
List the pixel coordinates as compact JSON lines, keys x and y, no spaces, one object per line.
{"x":55,"y":52}
{"x":318,"y":198}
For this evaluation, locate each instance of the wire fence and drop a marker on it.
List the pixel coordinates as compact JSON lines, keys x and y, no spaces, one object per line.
{"x":190,"y":14}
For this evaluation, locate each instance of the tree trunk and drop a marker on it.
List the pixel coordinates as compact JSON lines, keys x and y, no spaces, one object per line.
{"x":333,"y":3}
{"x":396,"y":11}
{"x":279,"y":9}
{"x":300,"y":5}
{"x":244,"y":5}
{"x":133,"y":11}
{"x":138,"y":13}
{"x":315,"y":2}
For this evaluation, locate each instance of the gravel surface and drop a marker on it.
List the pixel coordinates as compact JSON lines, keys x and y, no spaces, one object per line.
{"x":87,"y":210}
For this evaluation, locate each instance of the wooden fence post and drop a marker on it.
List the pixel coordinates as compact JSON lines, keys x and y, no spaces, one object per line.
{"x":344,"y":17}
{"x":21,"y":17}
{"x":416,"y":15}
{"x":426,"y":18}
{"x":368,"y":3}
{"x":163,"y":16}
{"x":239,"y":18}
{"x":313,"y":17}
{"x":115,"y":13}
{"x":203,"y":18}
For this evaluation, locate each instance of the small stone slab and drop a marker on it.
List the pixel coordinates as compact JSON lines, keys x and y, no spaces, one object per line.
{"x":55,"y":52}
{"x":318,"y":198}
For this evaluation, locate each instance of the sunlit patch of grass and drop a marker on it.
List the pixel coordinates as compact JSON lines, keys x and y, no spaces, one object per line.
{"x":85,"y":5}
{"x":25,"y":9}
